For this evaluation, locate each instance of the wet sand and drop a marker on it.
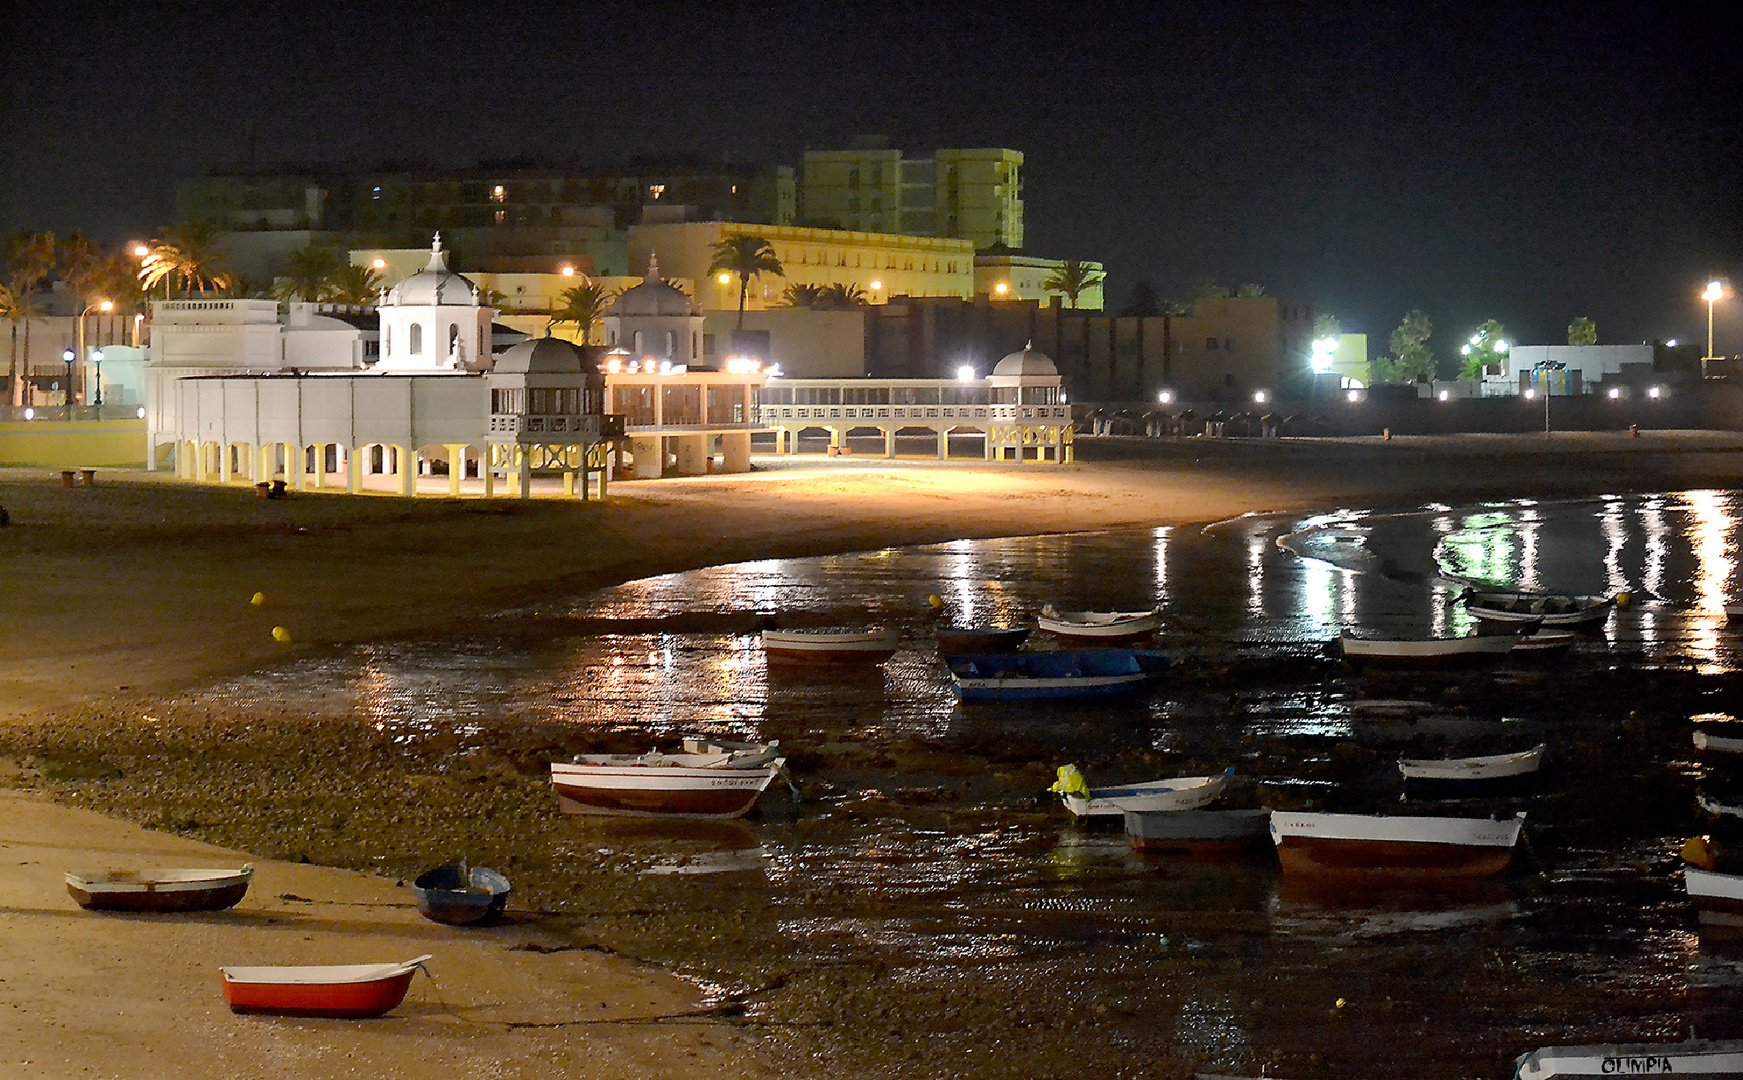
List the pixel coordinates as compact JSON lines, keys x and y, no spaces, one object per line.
{"x":118,"y":597}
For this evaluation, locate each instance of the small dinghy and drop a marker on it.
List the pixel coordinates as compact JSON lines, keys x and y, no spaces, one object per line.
{"x":160,"y":890}
{"x":712,"y":783}
{"x":460,"y":895}
{"x":346,"y":991}
{"x":1049,"y":676}
{"x":1717,"y":744}
{"x":1549,"y":609}
{"x":1476,"y":649}
{"x":1701,"y":1057}
{"x":1197,"y":832}
{"x":1487,"y":767}
{"x":966,"y":640}
{"x":1367,"y":846}
{"x":1098,"y":624}
{"x":1176,"y":793}
{"x":829,"y":646}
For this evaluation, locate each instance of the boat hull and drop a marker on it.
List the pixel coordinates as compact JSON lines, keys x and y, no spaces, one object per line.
{"x":1046,"y":676}
{"x":801,"y":647}
{"x":350,"y":992}
{"x":1489,"y":767}
{"x":1180,"y":793}
{"x":1718,"y":898}
{"x":652,"y":791}
{"x":461,"y":896}
{"x":1099,"y":625}
{"x":1197,"y":832}
{"x":1700,"y":1057}
{"x":1358,"y":846}
{"x":162,"y":891}
{"x":1547,"y":610}
{"x":1445,"y":652}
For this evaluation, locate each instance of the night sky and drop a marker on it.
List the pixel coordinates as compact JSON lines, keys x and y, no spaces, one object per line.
{"x":1530,"y":163}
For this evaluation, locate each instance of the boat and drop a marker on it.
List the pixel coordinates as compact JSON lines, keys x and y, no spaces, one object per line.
{"x":706,"y":785}
{"x":1718,"y":898}
{"x":829,"y":646}
{"x":1549,"y":609}
{"x":1042,"y":676}
{"x":1545,"y":641}
{"x":1716,"y":808}
{"x":1702,"y":1057}
{"x":458,"y":895}
{"x":1478,"y":648}
{"x":739,"y":753}
{"x":1197,"y":832}
{"x":1717,"y":744}
{"x":1393,"y":847}
{"x":1734,"y":614}
{"x":1098,"y":624}
{"x":967,"y":640}
{"x":1176,"y":793}
{"x":347,"y":990}
{"x":1487,"y":767}
{"x":160,"y":890}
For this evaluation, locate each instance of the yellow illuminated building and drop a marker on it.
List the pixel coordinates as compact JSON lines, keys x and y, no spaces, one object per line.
{"x":1024,"y":277}
{"x":973,"y":195}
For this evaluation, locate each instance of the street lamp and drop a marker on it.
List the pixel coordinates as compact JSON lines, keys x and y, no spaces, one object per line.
{"x":1715,"y":292}
{"x":68,"y":356}
{"x":97,"y":358}
{"x":98,"y":305}
{"x":1545,"y":367}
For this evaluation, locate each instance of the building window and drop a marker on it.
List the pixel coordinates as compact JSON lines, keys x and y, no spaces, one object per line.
{"x":655,"y":191}
{"x":498,"y":194}
{"x":416,"y":343}
{"x":1210,"y":344}
{"x":1229,"y":344}
{"x":500,"y":217}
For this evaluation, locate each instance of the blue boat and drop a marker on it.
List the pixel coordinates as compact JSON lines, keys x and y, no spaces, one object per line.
{"x":1043,"y":676}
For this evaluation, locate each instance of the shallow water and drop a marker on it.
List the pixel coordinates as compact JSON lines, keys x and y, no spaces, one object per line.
{"x":927,"y":909}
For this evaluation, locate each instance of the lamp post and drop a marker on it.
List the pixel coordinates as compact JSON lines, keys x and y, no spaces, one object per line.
{"x":1715,"y":292}
{"x":97,"y":358}
{"x":68,"y":356}
{"x":1545,"y":367}
{"x":96,"y":305}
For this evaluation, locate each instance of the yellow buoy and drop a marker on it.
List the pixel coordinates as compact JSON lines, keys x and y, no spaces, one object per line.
{"x":1340,"y":1003}
{"x":258,"y":599}
{"x":280,"y":634}
{"x":935,"y":600}
{"x":1623,"y":599}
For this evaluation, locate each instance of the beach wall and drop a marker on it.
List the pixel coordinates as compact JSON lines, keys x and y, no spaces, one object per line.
{"x":73,"y":444}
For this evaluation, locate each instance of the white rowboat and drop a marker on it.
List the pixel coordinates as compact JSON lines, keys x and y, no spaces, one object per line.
{"x":1718,"y":898}
{"x":829,"y":646}
{"x":1474,"y":649}
{"x":1393,"y":847}
{"x":1718,"y":744}
{"x":1700,"y":1057}
{"x":714,"y":785}
{"x":1098,"y":624}
{"x":1549,"y":609}
{"x":1179,"y":793}
{"x":1488,"y":767}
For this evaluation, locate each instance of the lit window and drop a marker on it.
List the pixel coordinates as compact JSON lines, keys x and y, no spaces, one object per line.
{"x":375,"y":194}
{"x":498,"y":194}
{"x":656,"y":190}
{"x":500,"y":216}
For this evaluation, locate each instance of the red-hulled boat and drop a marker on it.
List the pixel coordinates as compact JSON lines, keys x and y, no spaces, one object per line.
{"x":345,"y":991}
{"x":1393,"y":847}
{"x":690,"y":785}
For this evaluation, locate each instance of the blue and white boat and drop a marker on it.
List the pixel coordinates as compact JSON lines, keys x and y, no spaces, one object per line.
{"x":1042,"y":676}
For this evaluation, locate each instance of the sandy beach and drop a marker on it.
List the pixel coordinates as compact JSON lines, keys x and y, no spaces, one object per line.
{"x":128,"y":593}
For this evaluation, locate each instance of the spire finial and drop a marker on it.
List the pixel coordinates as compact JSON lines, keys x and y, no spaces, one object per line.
{"x":653,"y":266}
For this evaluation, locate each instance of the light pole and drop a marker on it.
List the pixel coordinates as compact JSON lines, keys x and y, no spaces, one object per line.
{"x":68,"y":356}
{"x":97,"y":305}
{"x":97,"y":358}
{"x":1545,"y":367}
{"x":1715,"y":292}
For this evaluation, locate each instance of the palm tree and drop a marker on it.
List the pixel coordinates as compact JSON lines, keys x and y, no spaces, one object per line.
{"x":583,"y":305}
{"x":352,"y":284}
{"x":30,"y":259}
{"x":1073,"y":278}
{"x":746,"y":256}
{"x":188,"y":253}
{"x":308,"y":275}
{"x":1250,"y":292}
{"x":801,"y":296}
{"x":838,"y":297}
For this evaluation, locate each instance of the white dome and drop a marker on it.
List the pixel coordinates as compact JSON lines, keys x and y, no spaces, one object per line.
{"x":1027,"y":362}
{"x":652,"y":297}
{"x":434,"y":286}
{"x":542,"y":356}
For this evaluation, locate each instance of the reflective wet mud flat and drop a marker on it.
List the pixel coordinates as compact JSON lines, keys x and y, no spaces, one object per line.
{"x":924,"y":907}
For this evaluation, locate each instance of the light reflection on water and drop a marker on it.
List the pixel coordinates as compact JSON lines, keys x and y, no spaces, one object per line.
{"x":983,"y":874}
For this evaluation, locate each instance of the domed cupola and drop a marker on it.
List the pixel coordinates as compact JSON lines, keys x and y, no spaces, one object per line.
{"x":653,"y":297}
{"x":434,"y":322}
{"x":1028,"y":362}
{"x":434,"y":285}
{"x":655,"y":323}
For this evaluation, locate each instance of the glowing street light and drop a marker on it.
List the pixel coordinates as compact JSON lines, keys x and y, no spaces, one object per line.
{"x":1260,"y":397}
{"x":1323,"y":348}
{"x":965,"y":373}
{"x":97,"y":358}
{"x":567,"y":271}
{"x":1002,"y":288}
{"x":724,"y":277}
{"x":1716,"y":291}
{"x":1165,"y":397}
{"x":96,"y":305}
{"x":67,"y":357}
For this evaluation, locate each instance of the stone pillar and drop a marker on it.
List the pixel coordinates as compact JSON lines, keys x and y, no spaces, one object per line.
{"x":649,"y":457}
{"x":692,"y":453}
{"x":355,"y":459}
{"x":320,"y":453}
{"x":196,"y":462}
{"x":456,"y":468}
{"x":735,"y":452}
{"x":943,"y":442}
{"x":889,"y":442}
{"x":487,"y":471}
{"x":294,"y":461}
{"x":224,"y":463}
{"x":523,"y":472}
{"x":408,"y":469}
{"x":604,"y":462}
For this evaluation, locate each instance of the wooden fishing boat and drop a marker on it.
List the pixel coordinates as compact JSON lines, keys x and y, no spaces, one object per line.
{"x":1043,"y":676}
{"x":1360,"y":846}
{"x":160,"y":890}
{"x":1176,"y":793}
{"x":459,"y":895}
{"x":1545,"y":642}
{"x":1476,"y":649}
{"x":719,"y":785}
{"x":1549,"y":609}
{"x":1487,"y":767}
{"x":738,"y":753}
{"x":829,"y":646}
{"x":972,"y":640}
{"x":1197,"y":832}
{"x":1701,"y":1057}
{"x":1717,"y":744}
{"x":348,"y":990}
{"x":1102,"y":625}
{"x":1718,"y":898}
